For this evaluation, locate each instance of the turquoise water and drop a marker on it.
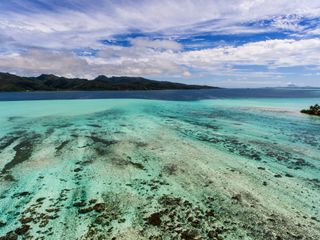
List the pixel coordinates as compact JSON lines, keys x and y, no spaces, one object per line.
{"x":151,"y":169}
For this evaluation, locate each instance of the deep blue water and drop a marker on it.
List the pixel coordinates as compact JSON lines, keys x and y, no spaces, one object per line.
{"x":168,"y":94}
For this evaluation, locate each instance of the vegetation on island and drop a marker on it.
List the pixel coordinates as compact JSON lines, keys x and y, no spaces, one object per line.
{"x":313,"y":110}
{"x":44,"y":82}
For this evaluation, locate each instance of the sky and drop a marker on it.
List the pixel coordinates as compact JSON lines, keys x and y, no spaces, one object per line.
{"x":226,"y":43}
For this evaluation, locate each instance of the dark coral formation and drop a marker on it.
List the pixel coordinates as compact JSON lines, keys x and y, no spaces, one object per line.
{"x":313,"y":110}
{"x":97,"y":181}
{"x":23,"y":152}
{"x":181,"y":219}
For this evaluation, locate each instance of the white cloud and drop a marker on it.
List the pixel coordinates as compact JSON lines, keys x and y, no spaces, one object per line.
{"x":153,"y":62}
{"x":271,"y":53}
{"x":130,"y":62}
{"x":87,"y":21}
{"x":38,"y":40}
{"x":37,"y":61}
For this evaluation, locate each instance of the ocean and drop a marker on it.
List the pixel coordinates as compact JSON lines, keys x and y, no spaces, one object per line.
{"x":183,"y":164}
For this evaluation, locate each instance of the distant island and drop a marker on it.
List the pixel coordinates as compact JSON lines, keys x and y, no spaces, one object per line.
{"x":313,"y":110}
{"x":48,"y":82}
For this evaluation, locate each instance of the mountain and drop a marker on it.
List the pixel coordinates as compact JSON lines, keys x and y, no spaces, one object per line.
{"x":45,"y":82}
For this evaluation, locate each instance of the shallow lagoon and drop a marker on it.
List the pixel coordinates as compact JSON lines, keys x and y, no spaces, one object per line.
{"x":153,"y":169}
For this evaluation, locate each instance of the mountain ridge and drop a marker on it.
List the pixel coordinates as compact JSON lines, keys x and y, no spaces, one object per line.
{"x":49,"y":82}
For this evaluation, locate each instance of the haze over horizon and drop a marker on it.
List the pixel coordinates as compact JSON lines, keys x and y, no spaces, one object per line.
{"x":245,"y":43}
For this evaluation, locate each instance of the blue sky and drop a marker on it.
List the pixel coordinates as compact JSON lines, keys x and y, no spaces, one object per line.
{"x":230,"y":43}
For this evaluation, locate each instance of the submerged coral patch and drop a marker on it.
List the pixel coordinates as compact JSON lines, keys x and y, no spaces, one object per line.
{"x":138,"y":169}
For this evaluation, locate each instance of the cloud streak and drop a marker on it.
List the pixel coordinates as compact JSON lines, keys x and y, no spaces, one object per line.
{"x":162,"y":39}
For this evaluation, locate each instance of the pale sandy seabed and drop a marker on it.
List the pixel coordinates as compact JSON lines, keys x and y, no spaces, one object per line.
{"x":145,"y":169}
